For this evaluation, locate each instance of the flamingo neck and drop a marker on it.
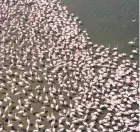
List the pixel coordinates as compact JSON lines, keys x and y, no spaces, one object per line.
{"x":135,"y":39}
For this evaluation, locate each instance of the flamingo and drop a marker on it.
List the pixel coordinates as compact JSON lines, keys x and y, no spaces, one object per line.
{"x":132,"y":42}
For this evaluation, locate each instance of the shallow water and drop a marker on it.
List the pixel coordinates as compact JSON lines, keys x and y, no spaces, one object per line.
{"x":108,"y":21}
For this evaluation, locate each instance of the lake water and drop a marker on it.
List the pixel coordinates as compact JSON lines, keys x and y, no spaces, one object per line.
{"x":108,"y":21}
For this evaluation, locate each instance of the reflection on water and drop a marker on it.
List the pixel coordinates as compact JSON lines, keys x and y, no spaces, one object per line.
{"x":108,"y":21}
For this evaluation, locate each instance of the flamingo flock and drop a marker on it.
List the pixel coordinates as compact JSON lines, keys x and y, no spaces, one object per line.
{"x":53,"y":78}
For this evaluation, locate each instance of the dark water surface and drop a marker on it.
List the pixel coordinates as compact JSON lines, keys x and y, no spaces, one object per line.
{"x":108,"y":21}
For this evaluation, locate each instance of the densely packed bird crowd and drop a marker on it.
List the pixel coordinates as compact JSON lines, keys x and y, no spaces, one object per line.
{"x":53,"y":78}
